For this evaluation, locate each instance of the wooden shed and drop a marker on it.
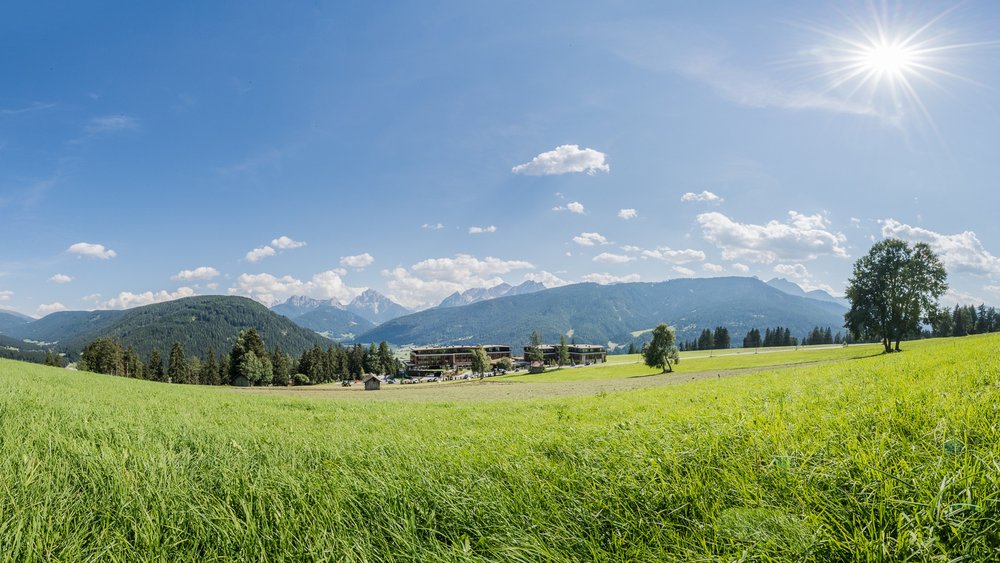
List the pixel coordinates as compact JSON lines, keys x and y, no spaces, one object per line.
{"x":372,"y":383}
{"x":536,"y":367}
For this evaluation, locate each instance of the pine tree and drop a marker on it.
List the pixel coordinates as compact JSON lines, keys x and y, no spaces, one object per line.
{"x":563,"y":351}
{"x":176,"y":365}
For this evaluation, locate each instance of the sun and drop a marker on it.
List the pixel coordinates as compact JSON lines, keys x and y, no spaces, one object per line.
{"x":889,"y":59}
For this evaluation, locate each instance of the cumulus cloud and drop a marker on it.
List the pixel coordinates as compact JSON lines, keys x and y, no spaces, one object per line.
{"x":713,"y":268}
{"x":704,"y":197}
{"x":590,"y":239}
{"x":432,"y":226}
{"x":285,"y":243}
{"x":572,"y":207}
{"x":606,"y":278}
{"x":200,"y":273}
{"x":687,"y":272}
{"x":260,"y":253}
{"x":127,"y":299}
{"x":49,"y":308}
{"x":548,"y":279}
{"x":669,"y":255}
{"x":427,"y":282}
{"x":961,"y":252}
{"x":111,"y":124}
{"x":91,"y":250}
{"x":358,"y":261}
{"x":742,"y":268}
{"x":481,"y":230}
{"x":609,"y":258}
{"x":270,"y":289}
{"x":564,"y":159}
{"x":627,"y":213}
{"x":803,"y":237}
{"x":61,"y":278}
{"x":6,"y":294}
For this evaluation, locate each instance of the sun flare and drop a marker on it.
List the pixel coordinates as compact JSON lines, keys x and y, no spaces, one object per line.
{"x":886,"y":58}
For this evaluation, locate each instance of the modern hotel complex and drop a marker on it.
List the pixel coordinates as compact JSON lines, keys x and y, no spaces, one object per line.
{"x":440,"y":358}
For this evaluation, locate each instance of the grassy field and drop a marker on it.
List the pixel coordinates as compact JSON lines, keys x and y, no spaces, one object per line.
{"x":856,"y":457}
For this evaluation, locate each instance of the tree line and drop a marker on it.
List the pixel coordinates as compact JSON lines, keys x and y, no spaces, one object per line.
{"x":965,"y":320}
{"x":248,"y":363}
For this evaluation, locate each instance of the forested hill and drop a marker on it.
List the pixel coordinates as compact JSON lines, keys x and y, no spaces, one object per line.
{"x":196,"y":322}
{"x":11,"y":321}
{"x":615,"y":313}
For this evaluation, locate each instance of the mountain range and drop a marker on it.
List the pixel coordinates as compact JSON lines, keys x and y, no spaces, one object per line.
{"x":197,"y":323}
{"x":478,"y":294}
{"x":616,"y":314}
{"x":341,"y":322}
{"x":793,"y":288}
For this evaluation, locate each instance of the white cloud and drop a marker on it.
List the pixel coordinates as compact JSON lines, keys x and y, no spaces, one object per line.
{"x":803,"y":237}
{"x":572,"y":207}
{"x":672,"y":256}
{"x":609,"y":258}
{"x":127,"y":299}
{"x":548,"y":279}
{"x":91,"y":250}
{"x":563,"y":160}
{"x":627,"y":213}
{"x":962,"y":252}
{"x":200,"y":273}
{"x":270,"y":289}
{"x":111,"y":123}
{"x":590,"y":239}
{"x":688,"y":272}
{"x":426,"y":283}
{"x":704,"y":197}
{"x":258,"y":254}
{"x":742,"y":268}
{"x":285,"y":243}
{"x":61,"y":278}
{"x":481,"y":230}
{"x":432,"y":226}
{"x":6,"y":294}
{"x":606,"y":278}
{"x":630,"y":248}
{"x":49,"y":308}
{"x":358,"y":261}
{"x":714,"y":268}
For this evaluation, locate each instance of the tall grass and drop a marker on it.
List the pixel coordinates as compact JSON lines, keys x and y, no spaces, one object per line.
{"x":881,"y":458}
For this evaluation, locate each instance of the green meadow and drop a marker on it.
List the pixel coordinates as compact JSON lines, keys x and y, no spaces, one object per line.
{"x":816,"y":455}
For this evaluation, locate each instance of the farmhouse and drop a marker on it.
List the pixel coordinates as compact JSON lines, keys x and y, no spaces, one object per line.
{"x":439,"y":358}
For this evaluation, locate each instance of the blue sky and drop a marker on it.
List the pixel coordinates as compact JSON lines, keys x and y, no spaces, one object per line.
{"x":148,"y":153}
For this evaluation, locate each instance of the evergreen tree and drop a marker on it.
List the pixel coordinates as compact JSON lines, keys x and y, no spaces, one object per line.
{"x":210,"y":369}
{"x":154,"y":367}
{"x":131,"y":363}
{"x":250,"y":359}
{"x":280,"y":365}
{"x":176,"y":365}
{"x":386,"y":360}
{"x":563,"y":351}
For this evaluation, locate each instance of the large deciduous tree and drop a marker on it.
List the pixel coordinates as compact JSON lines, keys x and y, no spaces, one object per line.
{"x":894,"y":288}
{"x":662,"y":352}
{"x":480,"y":361}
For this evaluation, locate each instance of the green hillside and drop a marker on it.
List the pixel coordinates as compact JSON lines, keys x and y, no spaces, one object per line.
{"x":11,"y":321}
{"x":879,"y":458}
{"x":196,"y":322}
{"x":612,"y":313}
